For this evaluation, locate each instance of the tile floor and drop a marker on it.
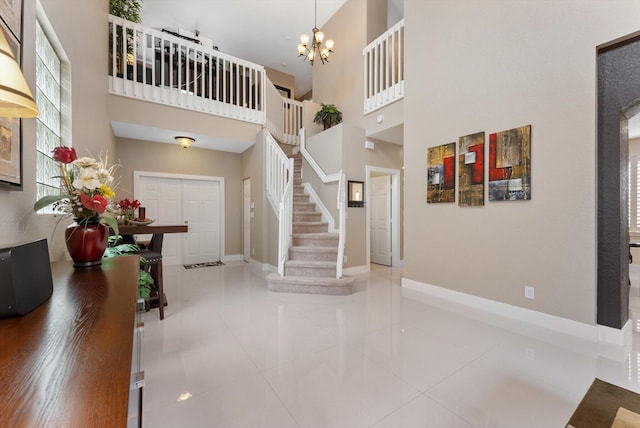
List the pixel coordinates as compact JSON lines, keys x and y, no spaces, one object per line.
{"x":232,"y":354}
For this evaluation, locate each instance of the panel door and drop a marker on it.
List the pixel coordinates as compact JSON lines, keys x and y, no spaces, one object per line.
{"x":201,"y":212}
{"x":162,"y":198}
{"x":246,"y":219}
{"x":380,"y":220}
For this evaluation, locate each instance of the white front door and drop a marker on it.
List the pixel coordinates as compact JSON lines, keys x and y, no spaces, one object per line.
{"x":381,"y":220}
{"x":162,"y":198}
{"x":246,"y":219}
{"x":201,"y":212}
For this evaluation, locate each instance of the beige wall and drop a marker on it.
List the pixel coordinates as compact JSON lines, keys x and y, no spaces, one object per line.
{"x":509,"y":64}
{"x":341,"y":81}
{"x":280,"y":78}
{"x":137,"y":155}
{"x":90,"y":129}
{"x":264,"y":226}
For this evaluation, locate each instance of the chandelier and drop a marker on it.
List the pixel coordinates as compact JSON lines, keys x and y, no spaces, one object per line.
{"x":316,"y":50}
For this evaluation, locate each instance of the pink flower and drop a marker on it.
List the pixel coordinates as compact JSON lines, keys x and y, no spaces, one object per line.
{"x":96,"y":203}
{"x":64,"y":154}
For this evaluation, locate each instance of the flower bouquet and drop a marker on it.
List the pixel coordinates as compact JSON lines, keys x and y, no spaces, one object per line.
{"x":85,"y":195}
{"x":128,"y":210}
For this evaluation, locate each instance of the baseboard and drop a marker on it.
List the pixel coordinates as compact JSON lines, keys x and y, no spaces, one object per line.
{"x":355,"y":270}
{"x":444,"y":297}
{"x":232,"y":258}
{"x":264,"y":267}
{"x":614,"y":336}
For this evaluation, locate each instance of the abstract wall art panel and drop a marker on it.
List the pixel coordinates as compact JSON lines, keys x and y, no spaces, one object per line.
{"x":471,"y":170}
{"x":510,"y":165}
{"x":441,"y":173}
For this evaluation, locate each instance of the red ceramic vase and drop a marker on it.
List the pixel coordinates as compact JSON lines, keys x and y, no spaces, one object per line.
{"x":86,"y":243}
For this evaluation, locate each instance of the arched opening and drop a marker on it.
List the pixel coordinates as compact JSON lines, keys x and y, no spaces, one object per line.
{"x":618,"y":101}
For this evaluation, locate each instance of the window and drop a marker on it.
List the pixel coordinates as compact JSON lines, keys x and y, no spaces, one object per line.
{"x":49,"y":124}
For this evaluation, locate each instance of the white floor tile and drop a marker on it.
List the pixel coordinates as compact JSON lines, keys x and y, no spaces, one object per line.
{"x":339,"y":387}
{"x":378,"y":358}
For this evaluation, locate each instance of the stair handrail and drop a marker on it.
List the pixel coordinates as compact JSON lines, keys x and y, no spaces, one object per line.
{"x":340,"y":197}
{"x":279,"y":188}
{"x":342,"y":215}
{"x":285,"y":220}
{"x":326,"y":178}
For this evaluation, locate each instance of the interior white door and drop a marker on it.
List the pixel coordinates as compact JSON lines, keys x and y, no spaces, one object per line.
{"x":380,"y":204}
{"x":246,"y":219}
{"x":201,"y":212}
{"x":162,"y":198}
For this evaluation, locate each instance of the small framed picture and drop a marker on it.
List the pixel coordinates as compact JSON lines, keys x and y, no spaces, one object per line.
{"x":11,"y":134}
{"x":11,"y":14}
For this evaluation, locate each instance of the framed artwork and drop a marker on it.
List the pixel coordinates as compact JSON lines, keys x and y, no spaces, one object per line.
{"x":11,"y":134}
{"x":471,"y":170}
{"x":510,"y":165}
{"x":355,"y":194}
{"x":11,"y":13}
{"x":441,"y":173}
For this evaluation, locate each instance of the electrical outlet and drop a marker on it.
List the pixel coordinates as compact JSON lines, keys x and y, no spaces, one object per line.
{"x":253,"y":251}
{"x":529,"y":292}
{"x":345,"y":259}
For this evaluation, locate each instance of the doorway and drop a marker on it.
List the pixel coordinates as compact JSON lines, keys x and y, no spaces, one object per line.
{"x":197,"y":201}
{"x":246,"y":219}
{"x":618,"y":100}
{"x":383,"y":219}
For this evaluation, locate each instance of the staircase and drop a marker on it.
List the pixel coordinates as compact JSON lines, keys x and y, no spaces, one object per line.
{"x":311,"y":267}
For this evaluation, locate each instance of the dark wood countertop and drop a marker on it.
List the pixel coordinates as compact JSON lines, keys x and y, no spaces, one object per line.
{"x":152,"y":229}
{"x":68,"y":363}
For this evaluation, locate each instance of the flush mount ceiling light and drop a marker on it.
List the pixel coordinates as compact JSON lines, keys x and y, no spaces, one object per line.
{"x":15,"y":97}
{"x":185,"y":142}
{"x":316,"y":50}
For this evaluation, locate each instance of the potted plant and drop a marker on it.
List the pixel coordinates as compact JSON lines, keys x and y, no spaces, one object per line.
{"x":129,"y":10}
{"x":145,"y":280}
{"x":328,"y":115}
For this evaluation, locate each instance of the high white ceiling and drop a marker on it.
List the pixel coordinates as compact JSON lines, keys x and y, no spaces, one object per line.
{"x":265,"y":32}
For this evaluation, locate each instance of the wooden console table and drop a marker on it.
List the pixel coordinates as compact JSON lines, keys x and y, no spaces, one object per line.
{"x":68,"y":363}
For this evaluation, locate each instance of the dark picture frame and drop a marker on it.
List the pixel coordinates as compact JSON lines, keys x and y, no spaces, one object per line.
{"x":11,"y":14}
{"x":355,"y":194}
{"x":11,"y":131}
{"x":284,"y":92}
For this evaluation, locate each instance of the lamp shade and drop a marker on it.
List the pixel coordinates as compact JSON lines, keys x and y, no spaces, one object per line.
{"x":15,"y":97}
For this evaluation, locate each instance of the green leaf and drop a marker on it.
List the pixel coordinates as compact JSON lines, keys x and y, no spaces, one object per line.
{"x":112,"y":223}
{"x":45,"y":201}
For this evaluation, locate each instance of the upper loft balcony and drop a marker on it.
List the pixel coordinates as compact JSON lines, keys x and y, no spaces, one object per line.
{"x":169,"y":69}
{"x":173,"y":70}
{"x":384,"y":69}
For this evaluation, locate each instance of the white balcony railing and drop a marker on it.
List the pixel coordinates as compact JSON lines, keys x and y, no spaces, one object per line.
{"x":284,"y":116}
{"x":160,"y":67}
{"x":384,"y":69}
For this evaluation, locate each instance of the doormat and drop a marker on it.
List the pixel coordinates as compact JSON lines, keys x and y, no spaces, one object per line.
{"x":606,"y":405}
{"x":199,"y":265}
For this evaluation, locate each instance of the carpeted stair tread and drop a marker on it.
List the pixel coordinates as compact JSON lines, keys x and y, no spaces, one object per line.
{"x":311,"y":285}
{"x":310,"y":264}
{"x":318,"y":235}
{"x":304,"y":249}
